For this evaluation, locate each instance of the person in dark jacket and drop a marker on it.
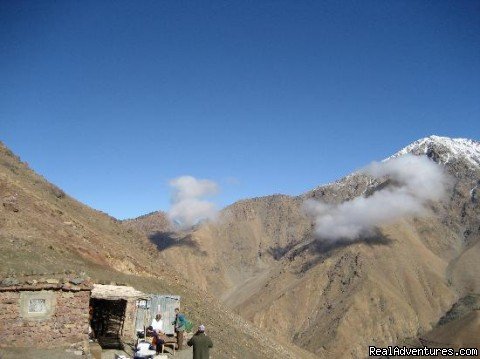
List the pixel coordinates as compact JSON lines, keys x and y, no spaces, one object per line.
{"x":201,"y":344}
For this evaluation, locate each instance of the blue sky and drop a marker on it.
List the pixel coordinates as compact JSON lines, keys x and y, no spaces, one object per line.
{"x":110,"y":100}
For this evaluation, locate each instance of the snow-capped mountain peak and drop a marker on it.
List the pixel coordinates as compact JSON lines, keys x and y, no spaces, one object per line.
{"x":444,"y":149}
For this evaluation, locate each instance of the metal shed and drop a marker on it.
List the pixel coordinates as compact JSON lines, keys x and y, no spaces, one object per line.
{"x":164,"y":304}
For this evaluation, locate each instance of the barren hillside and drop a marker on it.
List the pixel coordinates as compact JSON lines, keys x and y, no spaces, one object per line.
{"x":43,"y":230}
{"x":262,"y":259}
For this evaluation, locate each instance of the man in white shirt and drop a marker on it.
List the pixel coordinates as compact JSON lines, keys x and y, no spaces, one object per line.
{"x":156,"y":331}
{"x":157,"y":324}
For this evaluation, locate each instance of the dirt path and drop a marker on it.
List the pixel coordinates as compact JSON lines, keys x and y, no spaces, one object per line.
{"x":182,"y":354}
{"x":61,"y":353}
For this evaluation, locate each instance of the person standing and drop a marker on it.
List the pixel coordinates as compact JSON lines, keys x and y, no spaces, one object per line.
{"x":201,"y":344}
{"x":179,"y":324}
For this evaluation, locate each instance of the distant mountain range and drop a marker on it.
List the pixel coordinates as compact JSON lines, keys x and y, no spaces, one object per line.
{"x":259,"y":277}
{"x":263,"y":260}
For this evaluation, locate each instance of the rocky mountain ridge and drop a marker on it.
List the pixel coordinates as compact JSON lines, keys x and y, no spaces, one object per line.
{"x":262,"y":259}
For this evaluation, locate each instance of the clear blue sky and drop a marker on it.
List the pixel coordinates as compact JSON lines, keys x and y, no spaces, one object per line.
{"x":111,"y":99}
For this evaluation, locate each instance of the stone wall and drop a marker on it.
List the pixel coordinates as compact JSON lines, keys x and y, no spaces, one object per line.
{"x":43,"y":318}
{"x":129,"y":332}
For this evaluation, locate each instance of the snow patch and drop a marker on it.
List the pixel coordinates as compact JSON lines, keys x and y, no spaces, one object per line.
{"x":449,"y":148}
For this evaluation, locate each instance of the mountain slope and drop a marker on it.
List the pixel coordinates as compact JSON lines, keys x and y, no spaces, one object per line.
{"x":43,"y":230}
{"x":262,"y":259}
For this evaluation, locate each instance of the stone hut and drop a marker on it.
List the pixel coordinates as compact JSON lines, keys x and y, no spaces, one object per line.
{"x":44,"y":311}
{"x":114,"y":312}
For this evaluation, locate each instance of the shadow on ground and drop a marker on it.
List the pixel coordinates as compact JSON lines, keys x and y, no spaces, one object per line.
{"x":322,"y":249}
{"x":165,"y":240}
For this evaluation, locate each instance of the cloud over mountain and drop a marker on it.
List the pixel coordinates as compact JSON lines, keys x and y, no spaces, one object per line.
{"x":189,"y":205}
{"x":413,"y":181}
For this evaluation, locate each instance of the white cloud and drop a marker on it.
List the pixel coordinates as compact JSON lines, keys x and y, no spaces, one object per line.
{"x":189,"y":205}
{"x":415,"y":180}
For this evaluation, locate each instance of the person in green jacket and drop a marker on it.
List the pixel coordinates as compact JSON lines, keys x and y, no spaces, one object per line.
{"x":179,"y":326}
{"x":201,"y":344}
